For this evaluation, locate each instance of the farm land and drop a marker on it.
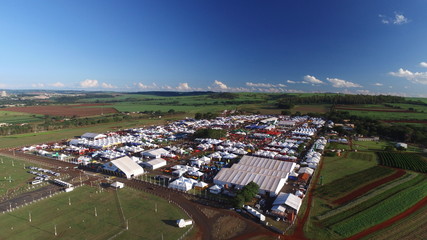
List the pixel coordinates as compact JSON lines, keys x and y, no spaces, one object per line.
{"x":357,"y":193}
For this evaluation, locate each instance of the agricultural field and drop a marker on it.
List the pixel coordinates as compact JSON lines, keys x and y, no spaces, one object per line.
{"x":78,"y":220}
{"x":353,"y":186}
{"x":381,"y":211}
{"x":353,"y":181}
{"x":409,"y":228}
{"x":19,"y":117}
{"x":80,"y":110}
{"x":384,"y":115}
{"x":311,"y":108}
{"x":408,"y":161}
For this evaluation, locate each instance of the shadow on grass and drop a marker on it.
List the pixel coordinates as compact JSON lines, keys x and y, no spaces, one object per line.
{"x":170,"y":222}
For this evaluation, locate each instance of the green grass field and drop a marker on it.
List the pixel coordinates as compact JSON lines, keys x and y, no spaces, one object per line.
{"x":18,"y":117}
{"x":78,"y":220}
{"x":389,"y":115}
{"x":311,"y":108}
{"x":19,"y":178}
{"x":370,"y":145}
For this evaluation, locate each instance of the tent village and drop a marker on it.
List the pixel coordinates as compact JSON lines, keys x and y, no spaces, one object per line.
{"x":278,"y":153}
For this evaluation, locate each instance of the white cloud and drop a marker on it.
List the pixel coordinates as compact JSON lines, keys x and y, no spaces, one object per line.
{"x":183,"y":86}
{"x":141,"y":85}
{"x":2,"y":85}
{"x":378,"y":84}
{"x":416,"y":77}
{"x":89,"y":83}
{"x":291,"y":82}
{"x":365,"y":92}
{"x":107,"y":85}
{"x":57,"y":84}
{"x":423,"y":64}
{"x":339,"y":83}
{"x":220,"y":85}
{"x":312,"y":79}
{"x":398,"y":19}
{"x":265,"y":85}
{"x":37,"y":85}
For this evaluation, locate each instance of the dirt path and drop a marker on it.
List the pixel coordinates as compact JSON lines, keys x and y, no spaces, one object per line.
{"x":392,"y":220}
{"x":299,"y":230}
{"x":360,"y":191}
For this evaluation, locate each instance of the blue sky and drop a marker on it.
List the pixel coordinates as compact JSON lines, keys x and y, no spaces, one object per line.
{"x":269,"y":46}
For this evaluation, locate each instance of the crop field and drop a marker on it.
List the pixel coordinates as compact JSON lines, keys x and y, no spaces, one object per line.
{"x":369,"y":198}
{"x":408,"y":161}
{"x":81,"y":110}
{"x":412,"y":227}
{"x":381,"y":211}
{"x":78,"y":220}
{"x":18,"y":117}
{"x":350,"y":182}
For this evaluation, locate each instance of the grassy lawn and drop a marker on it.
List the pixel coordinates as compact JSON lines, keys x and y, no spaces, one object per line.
{"x":19,"y":177}
{"x":78,"y":220}
{"x":335,"y":168}
{"x":370,"y":145}
{"x":338,"y":146}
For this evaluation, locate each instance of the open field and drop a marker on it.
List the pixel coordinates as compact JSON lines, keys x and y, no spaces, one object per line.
{"x":311,"y":108}
{"x":13,"y":176}
{"x":370,"y":145}
{"x":405,"y":116}
{"x":339,"y":167}
{"x":18,"y":117}
{"x":78,"y":220}
{"x":81,"y":110}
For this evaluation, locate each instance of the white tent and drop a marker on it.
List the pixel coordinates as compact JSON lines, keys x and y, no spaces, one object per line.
{"x":126,"y":165}
{"x":201,"y":185}
{"x":182,"y":184}
{"x":155,"y":163}
{"x":288,"y":200}
{"x":118,"y":185}
{"x":215,"y":189}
